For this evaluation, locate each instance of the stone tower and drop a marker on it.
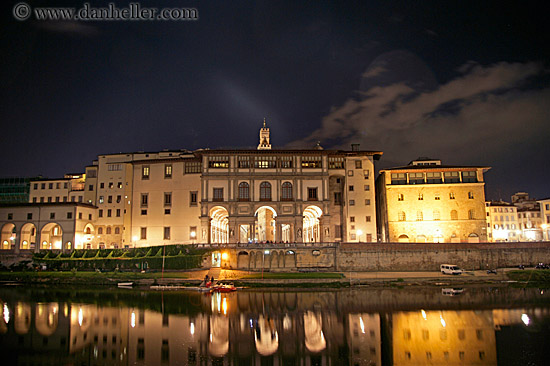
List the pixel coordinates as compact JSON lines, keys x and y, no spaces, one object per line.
{"x":264,"y":138}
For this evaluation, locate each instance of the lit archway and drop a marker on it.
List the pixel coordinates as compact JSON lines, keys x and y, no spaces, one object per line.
{"x":403,"y":238}
{"x":312,"y":214}
{"x":265,"y":224}
{"x":28,"y":236}
{"x":313,"y":331}
{"x":219,"y":225}
{"x":266,"y":336}
{"x":46,"y":318}
{"x":8,"y":236}
{"x":51,"y":236}
{"x":22,"y":319}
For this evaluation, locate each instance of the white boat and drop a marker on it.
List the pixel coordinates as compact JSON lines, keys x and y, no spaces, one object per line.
{"x":125,"y":284}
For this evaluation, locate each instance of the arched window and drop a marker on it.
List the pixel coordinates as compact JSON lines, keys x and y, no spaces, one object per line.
{"x":471,"y":214}
{"x":265,"y":191}
{"x":108,"y":231}
{"x":471,"y":195}
{"x":419,"y":216}
{"x":100,"y":230}
{"x":117,"y":230}
{"x":401,"y":216}
{"x":286,"y":191}
{"x":244,"y":191}
{"x":454,"y":215}
{"x":88,"y":231}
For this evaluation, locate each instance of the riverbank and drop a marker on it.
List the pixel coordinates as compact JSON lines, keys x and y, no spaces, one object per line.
{"x":276,"y":279}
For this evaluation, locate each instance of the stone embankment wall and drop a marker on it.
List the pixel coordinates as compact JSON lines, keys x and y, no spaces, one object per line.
{"x":428,"y":257}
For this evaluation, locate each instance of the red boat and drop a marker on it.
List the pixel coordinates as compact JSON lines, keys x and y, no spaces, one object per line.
{"x":224,"y":288}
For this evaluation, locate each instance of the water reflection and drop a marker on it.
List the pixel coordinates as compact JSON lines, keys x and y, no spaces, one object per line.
{"x":271,"y":328}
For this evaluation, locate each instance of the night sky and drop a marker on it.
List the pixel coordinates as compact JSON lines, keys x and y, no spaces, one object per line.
{"x":466,"y":82}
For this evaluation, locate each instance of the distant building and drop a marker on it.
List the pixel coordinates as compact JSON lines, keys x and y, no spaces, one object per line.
{"x":70,"y":188}
{"x":545,"y":213}
{"x":429,"y":202}
{"x":522,"y":200}
{"x":502,"y":221}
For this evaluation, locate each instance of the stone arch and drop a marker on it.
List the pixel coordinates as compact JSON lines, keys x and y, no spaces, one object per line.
{"x":265,"y":223}
{"x":473,"y":238}
{"x":9,"y":234}
{"x":51,"y":236}
{"x":274,"y":259}
{"x":421,"y":238}
{"x":243,"y":260}
{"x":28,"y":236}
{"x":403,"y":238}
{"x":219,"y":224}
{"x":290,"y":259}
{"x":311,"y":227}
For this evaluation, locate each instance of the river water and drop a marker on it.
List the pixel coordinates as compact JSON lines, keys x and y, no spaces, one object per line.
{"x":386,"y":326}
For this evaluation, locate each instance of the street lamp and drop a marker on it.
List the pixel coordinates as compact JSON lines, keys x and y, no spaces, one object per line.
{"x":359,"y":232}
{"x":193,"y":235}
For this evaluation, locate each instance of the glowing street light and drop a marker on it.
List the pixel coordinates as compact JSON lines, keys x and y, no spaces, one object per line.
{"x":359,"y":232}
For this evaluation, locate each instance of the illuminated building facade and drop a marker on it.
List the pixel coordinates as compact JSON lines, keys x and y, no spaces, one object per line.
{"x":545,"y":213}
{"x":429,"y":202}
{"x":211,"y":196}
{"x":502,"y":221}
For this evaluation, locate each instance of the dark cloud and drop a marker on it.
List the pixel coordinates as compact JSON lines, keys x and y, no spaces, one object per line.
{"x":472,"y":118}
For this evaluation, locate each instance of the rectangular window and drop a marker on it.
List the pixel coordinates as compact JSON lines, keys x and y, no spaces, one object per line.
{"x":218,"y":195}
{"x":43,"y":186}
{"x":367,"y":187}
{"x":218,"y":161}
{"x":366,"y":174}
{"x":29,"y":216}
{"x":398,"y":178}
{"x":167,"y":171}
{"x":265,"y":162}
{"x":335,"y":163}
{"x":193,"y":198}
{"x":433,"y":178}
{"x":109,"y":212}
{"x":56,"y":199}
{"x":64,"y":199}
{"x":352,"y":219}
{"x":337,"y":198}
{"x":350,"y":173}
{"x":118,"y":199}
{"x":35,"y":186}
{"x":114,"y":167}
{"x":101,"y":185}
{"x":90,"y":217}
{"x":69,"y":215}
{"x":469,"y":177}
{"x":167,"y":211}
{"x":192,"y":167}
{"x":144,"y":199}
{"x":57,"y":185}
{"x":451,"y":177}
{"x":436,"y":197}
{"x":471,"y":195}
{"x":100,"y":199}
{"x":145,"y":170}
{"x":50,"y":185}
{"x":352,"y":202}
{"x":52,"y":215}
{"x":451,"y":196}
{"x":100,"y":213}
{"x":166,"y":233}
{"x":351,"y":188}
{"x":358,"y":164}
{"x":49,"y":199}
{"x":416,"y":178}
{"x":143,"y":233}
{"x":167,"y":199}
{"x":285,"y":162}
{"x":243,"y":162}
{"x":91,"y":187}
{"x":119,"y":184}
{"x":312,"y":194}
{"x":367,"y":202}
{"x":111,"y":185}
{"x":311,"y":162}
{"x":34,"y":200}
{"x":367,"y":218}
{"x":118,"y":212}
{"x":110,"y":199}
{"x":143,"y":212}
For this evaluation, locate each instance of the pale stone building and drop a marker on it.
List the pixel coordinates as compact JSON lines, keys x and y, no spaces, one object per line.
{"x":502,"y":222}
{"x":429,"y":202}
{"x":545,"y":213}
{"x":218,"y":196}
{"x":70,"y":188}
